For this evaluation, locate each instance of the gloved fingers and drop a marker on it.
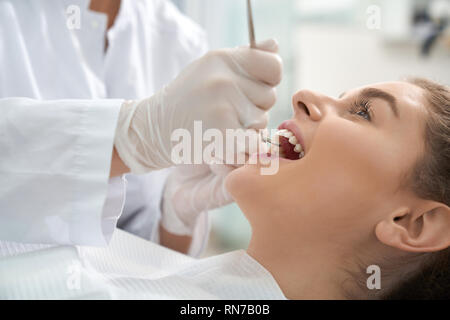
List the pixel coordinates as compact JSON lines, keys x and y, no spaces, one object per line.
{"x":252,"y":144}
{"x":260,"y":94}
{"x":270,"y":45}
{"x":239,"y":145}
{"x":213,"y":194}
{"x":253,"y":117}
{"x":262,"y":65}
{"x":256,"y":144}
{"x":246,"y":112}
{"x":185,"y":171}
{"x":189,"y":197}
{"x":221,"y":170}
{"x":221,"y":195}
{"x":193,"y":189}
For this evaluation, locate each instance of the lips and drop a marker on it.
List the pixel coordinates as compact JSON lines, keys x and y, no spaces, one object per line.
{"x":291,"y":126}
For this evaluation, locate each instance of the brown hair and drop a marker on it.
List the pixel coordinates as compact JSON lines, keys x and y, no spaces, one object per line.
{"x":424,"y":275}
{"x":431,"y":281}
{"x":430,"y":179}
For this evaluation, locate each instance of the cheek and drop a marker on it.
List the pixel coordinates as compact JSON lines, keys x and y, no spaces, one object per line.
{"x":344,"y":176}
{"x":350,"y":153}
{"x":345,"y":173}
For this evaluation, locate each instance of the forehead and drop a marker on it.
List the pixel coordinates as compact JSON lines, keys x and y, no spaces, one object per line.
{"x":405,"y":93}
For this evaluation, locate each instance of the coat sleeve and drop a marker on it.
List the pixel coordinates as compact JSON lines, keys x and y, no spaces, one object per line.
{"x":55,"y":159}
{"x":188,"y":42}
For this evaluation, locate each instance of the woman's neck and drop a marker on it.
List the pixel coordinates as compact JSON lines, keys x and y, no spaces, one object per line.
{"x":306,"y":272}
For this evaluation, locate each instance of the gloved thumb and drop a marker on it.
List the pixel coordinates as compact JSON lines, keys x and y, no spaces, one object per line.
{"x":270,"y":45}
{"x":221,"y":170}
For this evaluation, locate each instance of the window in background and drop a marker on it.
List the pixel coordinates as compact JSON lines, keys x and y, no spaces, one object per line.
{"x":338,"y":51}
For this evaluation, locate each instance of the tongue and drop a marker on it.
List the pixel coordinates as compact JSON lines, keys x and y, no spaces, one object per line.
{"x":288,"y":149}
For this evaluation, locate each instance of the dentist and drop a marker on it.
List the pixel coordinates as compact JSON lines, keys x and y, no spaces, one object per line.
{"x":80,"y":105}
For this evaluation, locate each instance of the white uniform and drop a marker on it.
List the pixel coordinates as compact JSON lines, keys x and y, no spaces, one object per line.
{"x":56,"y":148}
{"x":131,"y":268}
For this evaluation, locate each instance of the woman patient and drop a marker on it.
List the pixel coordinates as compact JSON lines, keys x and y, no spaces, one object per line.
{"x":373,"y":188}
{"x":369,"y":196}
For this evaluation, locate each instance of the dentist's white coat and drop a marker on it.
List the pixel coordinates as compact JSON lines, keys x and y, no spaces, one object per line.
{"x":60,"y":95}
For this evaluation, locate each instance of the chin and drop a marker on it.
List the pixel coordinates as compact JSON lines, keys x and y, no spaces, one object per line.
{"x":247,"y":183}
{"x":244,"y":185}
{"x":239,"y":181}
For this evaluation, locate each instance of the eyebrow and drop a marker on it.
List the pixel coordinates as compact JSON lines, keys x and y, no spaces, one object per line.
{"x":372,"y":93}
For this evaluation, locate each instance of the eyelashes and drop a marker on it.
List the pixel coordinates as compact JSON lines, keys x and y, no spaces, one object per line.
{"x":362,"y":108}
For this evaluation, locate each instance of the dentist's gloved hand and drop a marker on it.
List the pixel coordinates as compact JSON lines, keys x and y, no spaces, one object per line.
{"x":191,"y":190}
{"x":225,"y":89}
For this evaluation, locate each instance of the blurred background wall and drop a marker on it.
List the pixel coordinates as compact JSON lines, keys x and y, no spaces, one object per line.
{"x":328,"y":46}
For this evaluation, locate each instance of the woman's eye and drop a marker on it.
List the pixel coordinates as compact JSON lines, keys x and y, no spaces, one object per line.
{"x":362,"y":109}
{"x":365,"y":114}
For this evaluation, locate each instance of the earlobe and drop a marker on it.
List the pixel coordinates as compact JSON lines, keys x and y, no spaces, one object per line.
{"x":427,"y":230}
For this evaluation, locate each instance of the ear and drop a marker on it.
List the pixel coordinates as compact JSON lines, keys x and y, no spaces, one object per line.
{"x":424,"y":230}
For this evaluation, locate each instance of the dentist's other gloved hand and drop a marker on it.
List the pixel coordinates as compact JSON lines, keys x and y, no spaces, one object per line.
{"x":191,"y":190}
{"x":225,"y":89}
{"x":194,"y":189}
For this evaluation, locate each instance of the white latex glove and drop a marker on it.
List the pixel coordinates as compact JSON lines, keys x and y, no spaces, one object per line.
{"x":191,"y":190}
{"x":225,"y":89}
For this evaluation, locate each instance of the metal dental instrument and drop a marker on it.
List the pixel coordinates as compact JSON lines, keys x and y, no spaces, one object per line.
{"x":251,"y":28}
{"x":251,"y":35}
{"x":265,"y":138}
{"x":268,"y":140}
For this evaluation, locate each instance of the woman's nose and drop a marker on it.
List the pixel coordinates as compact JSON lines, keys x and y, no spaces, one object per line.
{"x":309,"y":103}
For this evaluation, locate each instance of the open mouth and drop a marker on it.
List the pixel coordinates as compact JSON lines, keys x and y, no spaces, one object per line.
{"x":290,"y":144}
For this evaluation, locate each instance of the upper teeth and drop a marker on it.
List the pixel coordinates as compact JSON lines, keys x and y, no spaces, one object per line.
{"x":285,"y":133}
{"x":292,"y":140}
